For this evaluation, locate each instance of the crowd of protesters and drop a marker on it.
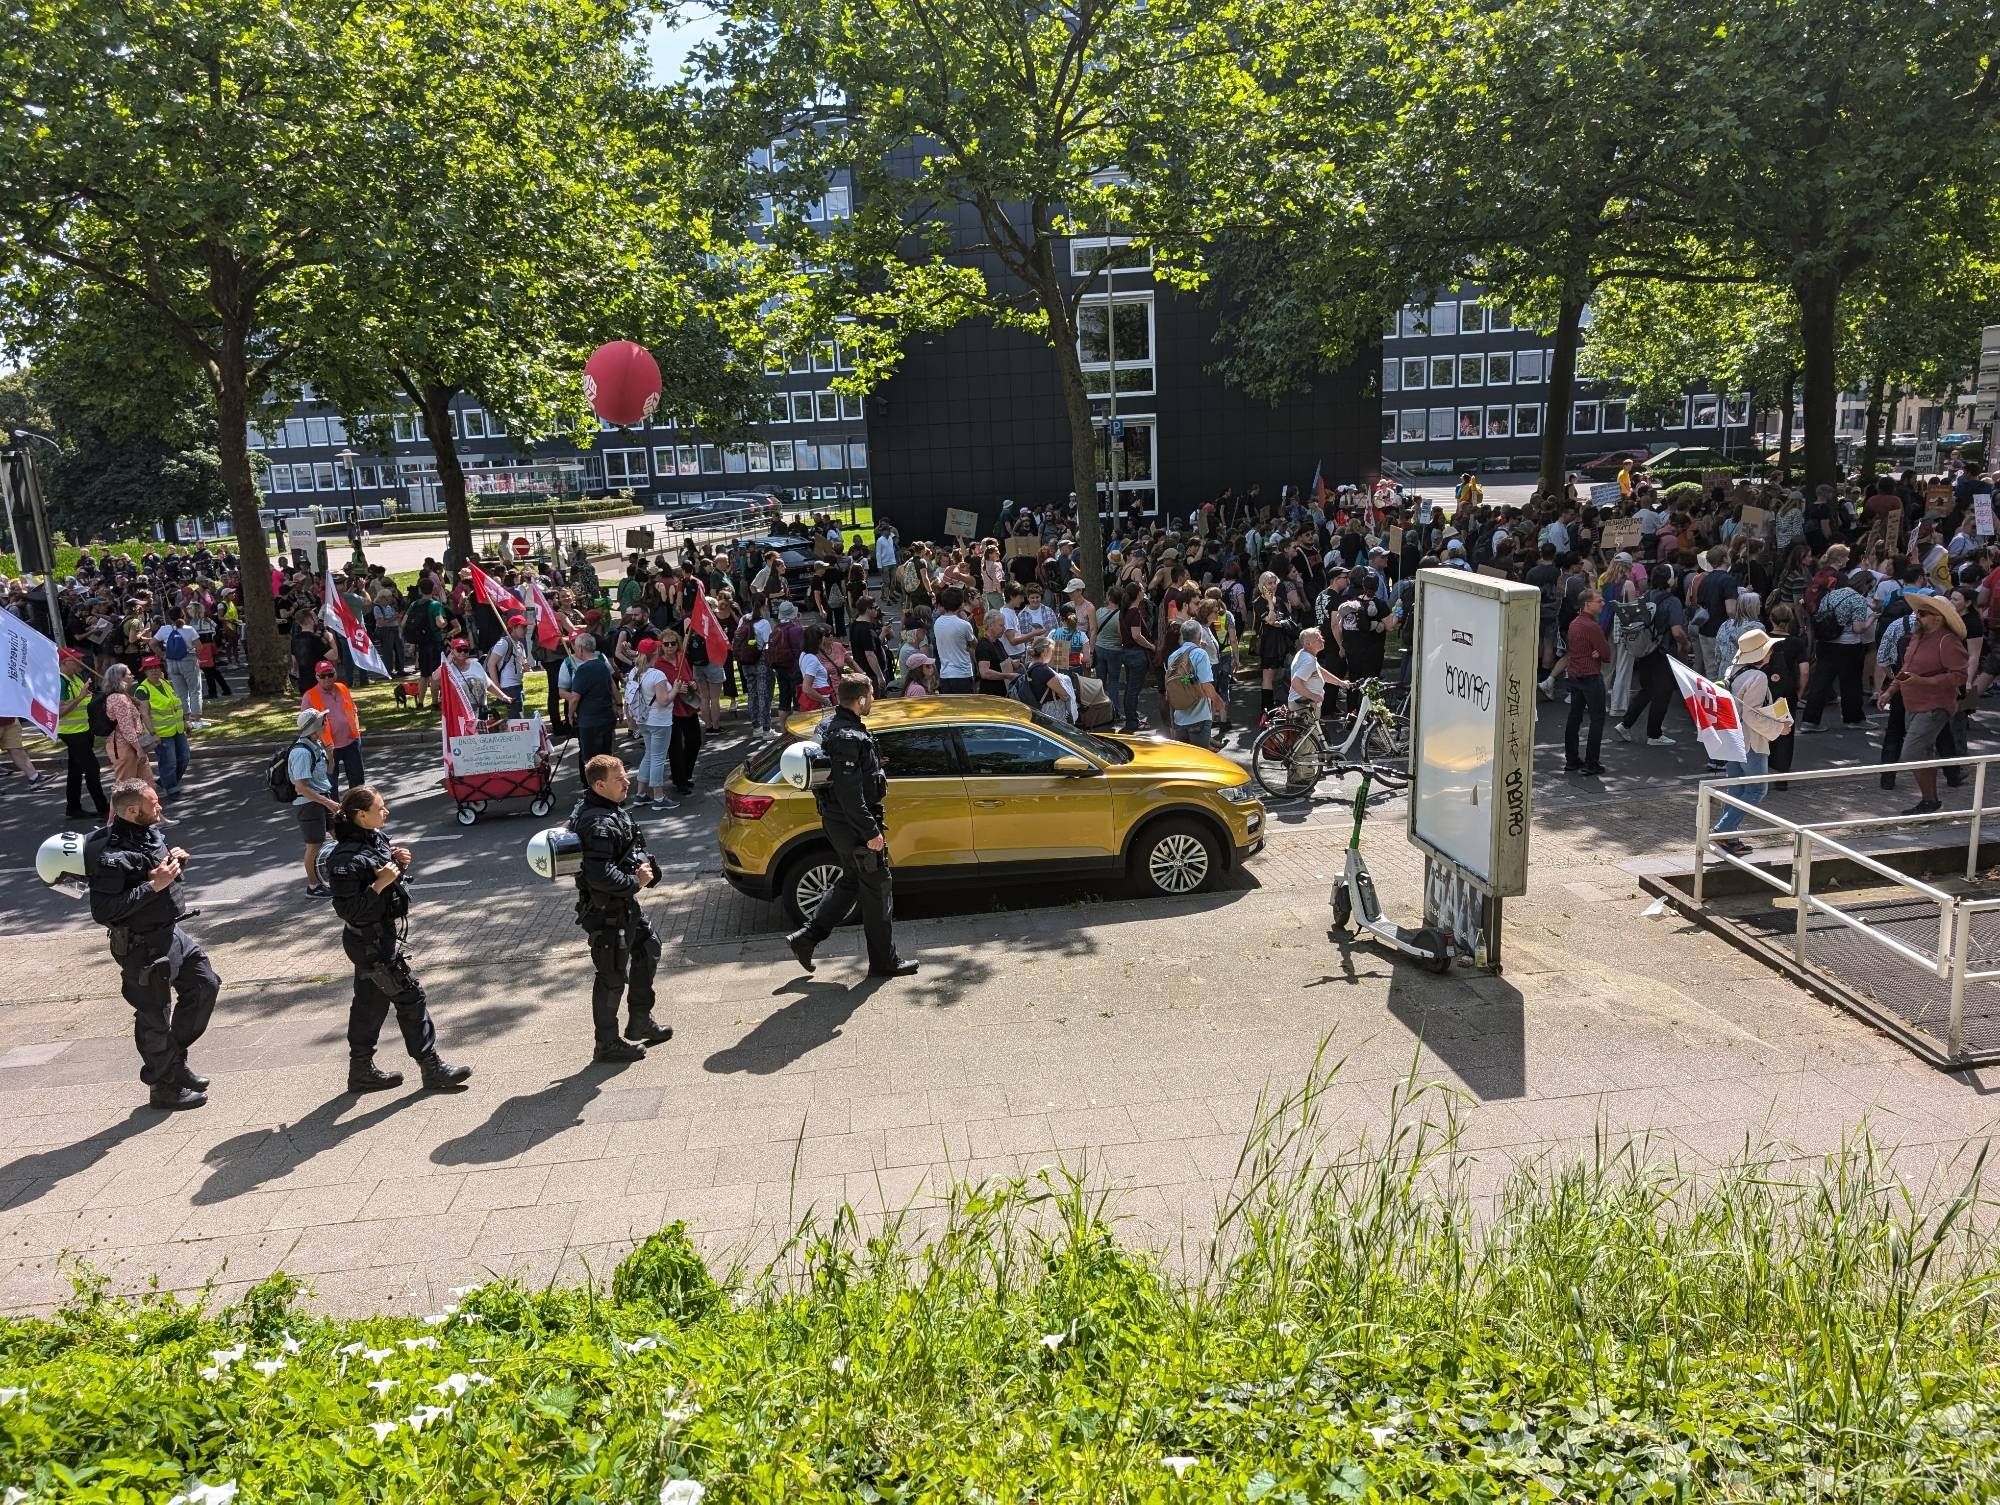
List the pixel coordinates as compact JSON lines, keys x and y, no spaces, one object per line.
{"x":1872,"y":597}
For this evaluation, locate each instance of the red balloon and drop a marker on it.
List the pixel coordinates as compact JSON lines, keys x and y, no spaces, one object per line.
{"x":621,"y":381}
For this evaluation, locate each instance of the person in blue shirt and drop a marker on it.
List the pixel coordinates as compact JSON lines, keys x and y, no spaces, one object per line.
{"x":1191,"y":662}
{"x":312,"y":786}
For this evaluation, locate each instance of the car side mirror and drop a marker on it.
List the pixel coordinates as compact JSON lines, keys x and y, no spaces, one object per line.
{"x":1075,"y":768}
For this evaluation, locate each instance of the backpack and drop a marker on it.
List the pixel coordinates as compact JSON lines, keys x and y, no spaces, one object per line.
{"x":99,"y":712}
{"x":1183,"y":689}
{"x":416,"y":627}
{"x":787,"y":642}
{"x":176,"y":647}
{"x":638,"y":704}
{"x":748,"y":651}
{"x":278,"y":772}
{"x":1826,"y":621}
{"x":1637,"y":625}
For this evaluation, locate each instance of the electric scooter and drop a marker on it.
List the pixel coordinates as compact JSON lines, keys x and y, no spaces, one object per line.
{"x":1354,"y":895}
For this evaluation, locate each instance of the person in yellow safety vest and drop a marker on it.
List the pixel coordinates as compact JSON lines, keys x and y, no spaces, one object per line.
{"x":73,"y":727}
{"x":169,"y":723}
{"x":340,"y":723}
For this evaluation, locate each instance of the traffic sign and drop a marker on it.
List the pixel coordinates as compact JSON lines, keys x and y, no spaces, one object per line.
{"x":1118,"y":428}
{"x":522,"y":548}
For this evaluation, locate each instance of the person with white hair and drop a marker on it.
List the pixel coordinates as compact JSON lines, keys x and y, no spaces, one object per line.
{"x":311,"y":773}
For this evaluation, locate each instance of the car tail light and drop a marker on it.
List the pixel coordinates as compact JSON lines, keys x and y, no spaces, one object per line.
{"x":747,"y":806}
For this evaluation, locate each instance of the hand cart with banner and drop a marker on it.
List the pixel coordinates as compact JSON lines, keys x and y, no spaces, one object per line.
{"x":515,"y":761}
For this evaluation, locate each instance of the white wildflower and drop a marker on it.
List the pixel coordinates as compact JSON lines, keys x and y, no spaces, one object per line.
{"x":1380,"y":1436}
{"x":438,"y":1319}
{"x":211,"y":1374}
{"x":481,"y":1379}
{"x":8,"y":1397}
{"x":1053,"y":1341}
{"x":14,"y":1496}
{"x":291,"y":1344}
{"x":411,"y":1345}
{"x":351,"y":1349}
{"x":383,"y":1387}
{"x":423,"y":1416}
{"x":460,"y":1292}
{"x":1180,"y":1463}
{"x":375,"y":1356}
{"x":206,"y":1494}
{"x":453,"y":1384}
{"x":681,"y":1492}
{"x":839,"y":1365}
{"x":637,"y":1345}
{"x":382,"y":1429}
{"x":268,"y":1367}
{"x":678,"y":1415}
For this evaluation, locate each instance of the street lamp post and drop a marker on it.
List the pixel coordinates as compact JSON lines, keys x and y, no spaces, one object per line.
{"x":345,"y":460}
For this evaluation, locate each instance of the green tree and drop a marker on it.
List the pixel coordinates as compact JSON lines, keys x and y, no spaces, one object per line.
{"x":1836,"y":137}
{"x":498,"y":254}
{"x":981,"y":138}
{"x":190,"y":162}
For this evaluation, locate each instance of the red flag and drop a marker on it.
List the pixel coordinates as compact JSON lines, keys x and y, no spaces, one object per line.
{"x":494,"y":594}
{"x":338,"y":615}
{"x":548,"y":627}
{"x":455,"y":704}
{"x":702,"y":620}
{"x":1319,"y":487}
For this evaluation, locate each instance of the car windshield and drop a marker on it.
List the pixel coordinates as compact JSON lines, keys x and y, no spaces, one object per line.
{"x":1116,"y":753}
{"x":762,"y":765}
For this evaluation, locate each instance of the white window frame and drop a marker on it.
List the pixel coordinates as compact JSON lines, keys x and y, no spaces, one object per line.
{"x":1499,"y":320}
{"x":824,"y":357}
{"x":839,"y":201}
{"x":1505,"y":414}
{"x":850,"y":408}
{"x":1494,"y":378}
{"x":1529,"y":369}
{"x":302,"y":477}
{"x":1477,"y":360}
{"x":1081,"y":265}
{"x":759,"y":452}
{"x":1392,"y":374}
{"x":1677,"y":415}
{"x":316,"y":434}
{"x":1442,"y":425}
{"x":1473,"y":308}
{"x":280,"y":478}
{"x":807,"y":454}
{"x":295,"y":433}
{"x":1694,"y":411}
{"x":663,"y":460}
{"x":1388,"y":425}
{"x":1135,"y":366}
{"x":1532,"y":411}
{"x":1416,"y":321}
{"x":802,"y":407}
{"x":1448,"y":364}
{"x":336,"y":430}
{"x":1478,"y":426}
{"x":1444,"y":318}
{"x":778,"y":408}
{"x":1739,"y":402}
{"x":1578,"y":409}
{"x":857,"y":454}
{"x":711,"y":459}
{"x":324,"y":478}
{"x":735,"y":460}
{"x":624,"y":457}
{"x":687,"y":461}
{"x":474,"y":422}
{"x":1604,"y":412}
{"x":1410,"y":426}
{"x":781,"y":454}
{"x":800,"y":362}
{"x":253,"y":437}
{"x":1421,"y":367}
{"x":826,"y":405}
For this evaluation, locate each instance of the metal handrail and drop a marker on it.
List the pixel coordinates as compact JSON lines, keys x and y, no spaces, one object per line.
{"x":1955,"y":913}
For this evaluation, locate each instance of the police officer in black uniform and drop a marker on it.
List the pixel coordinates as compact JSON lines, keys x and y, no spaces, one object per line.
{"x":372,"y":897}
{"x":135,"y":881}
{"x":623,"y":948}
{"x":850,"y":810}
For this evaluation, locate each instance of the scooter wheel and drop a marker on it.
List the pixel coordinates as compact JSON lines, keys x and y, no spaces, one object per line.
{"x":1343,"y":908}
{"x":1438,"y":947}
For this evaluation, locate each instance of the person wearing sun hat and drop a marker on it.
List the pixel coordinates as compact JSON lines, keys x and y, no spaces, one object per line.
{"x":1762,"y":722}
{"x":1930,"y":681}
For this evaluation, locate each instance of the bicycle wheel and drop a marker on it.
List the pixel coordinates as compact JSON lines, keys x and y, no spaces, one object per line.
{"x":1275,"y":759}
{"x":1389,"y":741}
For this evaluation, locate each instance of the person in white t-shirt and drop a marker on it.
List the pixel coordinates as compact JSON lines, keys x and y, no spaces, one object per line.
{"x":953,"y":635}
{"x":1308,"y":676}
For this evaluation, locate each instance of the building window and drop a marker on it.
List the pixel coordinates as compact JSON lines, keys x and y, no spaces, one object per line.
{"x":663,"y":460}
{"x":1472,"y":370}
{"x":409,"y":428}
{"x":495,"y":429}
{"x":778,"y":409}
{"x":781,"y":454}
{"x":324,"y":478}
{"x":1443,"y":423}
{"x":802,"y":407}
{"x":857,"y":454}
{"x":295,"y":433}
{"x":1415,"y":373}
{"x":1499,"y":423}
{"x":316,"y":432}
{"x":1444,"y":371}
{"x":850,"y":408}
{"x":1390,"y":327}
{"x":1410,"y":430}
{"x":801,"y":362}
{"x":302,"y":478}
{"x":1471,"y":318}
{"x":1614,"y":416}
{"x":734,"y":460}
{"x":1086,"y":253}
{"x":1443,"y":318}
{"x":1416,"y":323}
{"x":1736,"y":411}
{"x":1392,"y":375}
{"x":760,"y":457}
{"x":1583,"y":418}
{"x":806,"y":454}
{"x":1707,"y":411}
{"x":1675,"y":414}
{"x":839,"y":203}
{"x":1527,"y":367}
{"x":1500,"y":368}
{"x":1130,"y":330}
{"x":625,"y":467}
{"x":826,"y":406}
{"x":1527,"y":421}
{"x":253,"y":436}
{"x":1499,"y":320}
{"x":1470,"y":421}
{"x":775,"y":364}
{"x":475,"y":423}
{"x":823,"y":356}
{"x":711,"y":460}
{"x":686,"y":461}
{"x":1388,"y":427}
{"x":281,"y":479}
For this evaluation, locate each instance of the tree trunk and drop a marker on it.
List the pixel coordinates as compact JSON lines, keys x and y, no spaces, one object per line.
{"x":1561,"y":394}
{"x":1819,"y":302}
{"x":1083,"y":476}
{"x":1871,"y":443}
{"x":434,"y":401}
{"x":263,"y":644}
{"x":1791,"y":397}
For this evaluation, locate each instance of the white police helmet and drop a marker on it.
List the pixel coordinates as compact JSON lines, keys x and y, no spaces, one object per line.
{"x":803,"y":765}
{"x":59,"y":861}
{"x":555,"y":853}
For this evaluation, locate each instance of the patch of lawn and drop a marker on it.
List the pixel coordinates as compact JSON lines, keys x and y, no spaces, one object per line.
{"x":274,"y":718}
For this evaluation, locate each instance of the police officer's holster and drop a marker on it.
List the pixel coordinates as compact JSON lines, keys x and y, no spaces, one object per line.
{"x":382,"y":980}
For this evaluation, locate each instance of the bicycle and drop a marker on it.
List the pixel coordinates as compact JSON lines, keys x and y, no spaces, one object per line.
{"x":1291,"y":755}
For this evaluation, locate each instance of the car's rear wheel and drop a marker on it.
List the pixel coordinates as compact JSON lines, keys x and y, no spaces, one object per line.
{"x":1176,"y":857}
{"x":807,"y":878}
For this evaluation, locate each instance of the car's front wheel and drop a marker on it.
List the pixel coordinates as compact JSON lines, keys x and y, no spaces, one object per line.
{"x":1176,"y":857}
{"x":807,"y":878}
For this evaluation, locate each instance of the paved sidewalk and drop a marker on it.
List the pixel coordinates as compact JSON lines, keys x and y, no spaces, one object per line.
{"x":1136,"y":1037}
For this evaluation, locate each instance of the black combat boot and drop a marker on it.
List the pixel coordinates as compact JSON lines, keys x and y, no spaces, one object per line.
{"x":643,"y":1029}
{"x":441,"y":1077}
{"x":193,"y":1079}
{"x":171,"y":1097}
{"x":802,"y":948}
{"x":618,"y":1050}
{"x":363,"y":1075}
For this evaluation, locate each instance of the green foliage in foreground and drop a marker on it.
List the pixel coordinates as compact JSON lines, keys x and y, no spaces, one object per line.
{"x":1606,"y":1332}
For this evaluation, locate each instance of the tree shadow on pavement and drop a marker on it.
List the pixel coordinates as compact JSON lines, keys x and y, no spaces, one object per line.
{"x":529,"y":1118}
{"x":249,"y":1160}
{"x":35,"y":1176}
{"x":813,"y":1019}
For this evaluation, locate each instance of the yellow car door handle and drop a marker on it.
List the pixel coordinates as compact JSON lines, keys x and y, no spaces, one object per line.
{"x":988,"y":804}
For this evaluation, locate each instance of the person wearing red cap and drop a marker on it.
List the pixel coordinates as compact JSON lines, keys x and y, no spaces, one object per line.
{"x":340,"y":723}
{"x":508,"y":664}
{"x":73,"y":728}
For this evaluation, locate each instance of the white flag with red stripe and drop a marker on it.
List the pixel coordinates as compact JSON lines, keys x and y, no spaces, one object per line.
{"x":338,"y":615}
{"x":548,"y":627}
{"x":494,"y":594}
{"x":1713,"y":710}
{"x":455,"y":708}
{"x":702,"y":620}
